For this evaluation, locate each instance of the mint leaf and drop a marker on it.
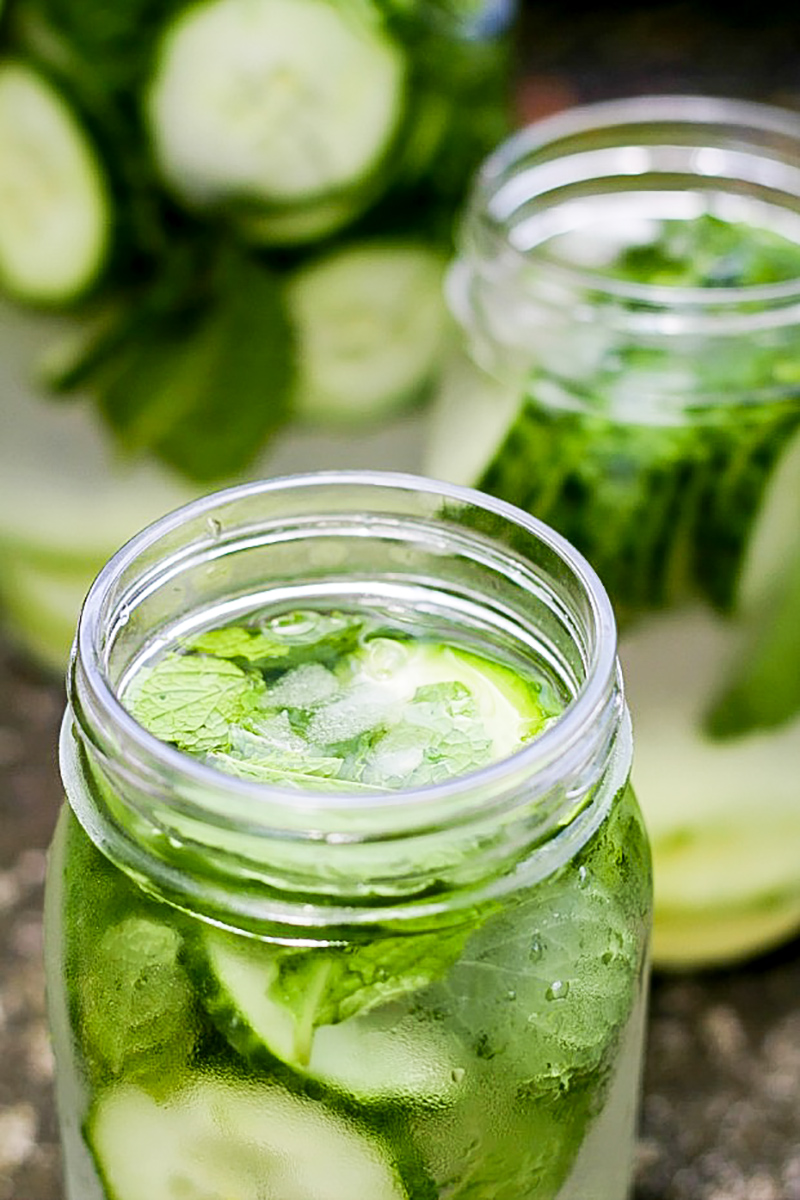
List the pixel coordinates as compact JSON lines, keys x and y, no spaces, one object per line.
{"x":135,"y":997}
{"x":296,"y":637}
{"x":254,"y":646}
{"x":192,"y":700}
{"x":204,"y":389}
{"x":326,"y":986}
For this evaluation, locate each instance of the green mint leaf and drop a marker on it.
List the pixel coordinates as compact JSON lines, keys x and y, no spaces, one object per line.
{"x":324,"y":987}
{"x":238,"y":642}
{"x":294,"y":638}
{"x":135,"y":997}
{"x":193,"y":700}
{"x":205,"y":389}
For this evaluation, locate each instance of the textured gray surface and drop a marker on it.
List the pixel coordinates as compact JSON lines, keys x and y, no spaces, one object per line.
{"x":721,"y":1105}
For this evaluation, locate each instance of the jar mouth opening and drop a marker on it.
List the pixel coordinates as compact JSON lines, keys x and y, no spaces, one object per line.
{"x":635,"y":136}
{"x":96,"y":701}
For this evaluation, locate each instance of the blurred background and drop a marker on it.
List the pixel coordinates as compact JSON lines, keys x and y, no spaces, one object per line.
{"x":86,"y":458}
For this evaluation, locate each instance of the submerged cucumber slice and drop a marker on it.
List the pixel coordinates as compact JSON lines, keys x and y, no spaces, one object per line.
{"x":284,"y":101}
{"x":370,"y":321}
{"x":379,"y":1054}
{"x":219,"y":1140}
{"x":54,"y":203}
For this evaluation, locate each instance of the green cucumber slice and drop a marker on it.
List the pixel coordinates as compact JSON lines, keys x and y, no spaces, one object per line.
{"x":593,"y":477}
{"x":55,"y":217}
{"x":722,"y":815}
{"x":371,"y":324}
{"x":296,"y":226}
{"x":284,"y":101}
{"x":340,"y":1013}
{"x":509,"y":708}
{"x":761,"y":688}
{"x":215,"y":1139}
{"x":380,"y":1054}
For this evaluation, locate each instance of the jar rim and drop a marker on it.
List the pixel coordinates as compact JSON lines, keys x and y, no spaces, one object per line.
{"x":771,"y":122}
{"x":556,"y":745}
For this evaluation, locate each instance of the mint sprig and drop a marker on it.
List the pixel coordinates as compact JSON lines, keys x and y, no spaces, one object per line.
{"x":178,"y":369}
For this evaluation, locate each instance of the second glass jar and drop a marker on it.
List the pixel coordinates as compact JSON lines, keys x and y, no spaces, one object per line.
{"x":628,"y":292}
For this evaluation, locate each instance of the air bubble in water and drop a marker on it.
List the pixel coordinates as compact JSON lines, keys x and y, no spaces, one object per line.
{"x":457,"y":1074}
{"x":558,"y":990}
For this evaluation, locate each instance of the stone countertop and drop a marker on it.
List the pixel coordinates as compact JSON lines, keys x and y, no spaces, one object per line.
{"x":721,"y":1104}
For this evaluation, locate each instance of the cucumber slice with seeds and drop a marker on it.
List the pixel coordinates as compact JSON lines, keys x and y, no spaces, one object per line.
{"x":284,"y":101}
{"x":371,"y":327}
{"x":54,"y":204}
{"x":215,"y":1140}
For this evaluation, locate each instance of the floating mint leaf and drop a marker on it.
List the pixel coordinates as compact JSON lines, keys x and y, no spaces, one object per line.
{"x":193,"y":700}
{"x":239,"y":642}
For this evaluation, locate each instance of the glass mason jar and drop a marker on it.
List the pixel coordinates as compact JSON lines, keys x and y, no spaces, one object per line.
{"x":627,"y":289}
{"x":349,"y":269}
{"x":464,"y":963}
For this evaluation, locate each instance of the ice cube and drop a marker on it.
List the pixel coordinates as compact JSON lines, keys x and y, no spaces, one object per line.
{"x":306,"y":686}
{"x":356,"y":711}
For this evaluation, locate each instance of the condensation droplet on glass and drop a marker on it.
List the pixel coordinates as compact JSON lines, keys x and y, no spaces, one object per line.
{"x":214,"y":527}
{"x":457,"y":1074}
{"x":558,"y":990}
{"x":511,"y":994}
{"x":583,"y":877}
{"x":536,"y":949}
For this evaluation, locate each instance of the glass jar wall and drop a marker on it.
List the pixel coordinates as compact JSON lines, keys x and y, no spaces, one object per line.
{"x":353,"y":991}
{"x":628,"y":291}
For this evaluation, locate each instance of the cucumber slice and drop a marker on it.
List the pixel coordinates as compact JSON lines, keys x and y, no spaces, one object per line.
{"x":378,"y":1055}
{"x":55,"y":217}
{"x":510,"y":709}
{"x":762,"y":685}
{"x":312,"y":1007}
{"x":593,"y":477}
{"x":722,"y":815}
{"x":283,"y":101}
{"x":216,"y":1140}
{"x":371,"y":326}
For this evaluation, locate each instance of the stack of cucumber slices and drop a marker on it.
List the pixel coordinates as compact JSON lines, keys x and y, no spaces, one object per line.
{"x":225,"y":219}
